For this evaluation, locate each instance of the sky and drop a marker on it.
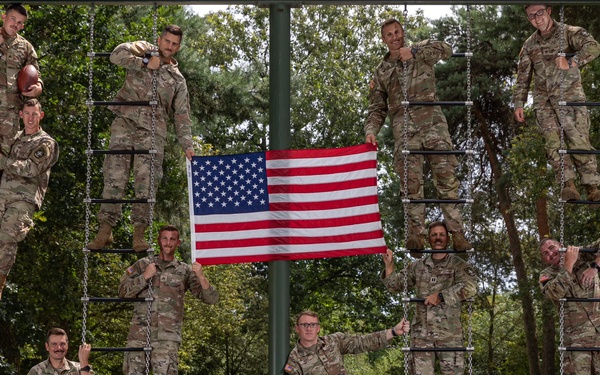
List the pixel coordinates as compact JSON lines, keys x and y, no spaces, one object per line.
{"x":430,"y":11}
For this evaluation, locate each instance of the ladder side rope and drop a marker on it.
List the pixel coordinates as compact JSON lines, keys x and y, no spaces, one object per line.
{"x":562,"y":185}
{"x":88,"y":177}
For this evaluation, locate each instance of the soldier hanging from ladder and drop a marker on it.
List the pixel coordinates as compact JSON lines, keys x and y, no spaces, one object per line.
{"x":135,"y":129}
{"x":423,"y":125}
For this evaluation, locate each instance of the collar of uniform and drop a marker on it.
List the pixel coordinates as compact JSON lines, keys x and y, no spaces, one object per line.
{"x":303,"y":350}
{"x":554,"y":33}
{"x":428,"y":260}
{"x":66,"y":366}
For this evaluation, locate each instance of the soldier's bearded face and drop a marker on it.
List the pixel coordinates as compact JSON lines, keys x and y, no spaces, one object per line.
{"x":393,"y":36}
{"x":550,"y":252}
{"x":57,"y":347}
{"x":169,"y":44}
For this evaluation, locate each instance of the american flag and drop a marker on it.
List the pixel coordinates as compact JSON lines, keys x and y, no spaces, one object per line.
{"x":284,"y":205}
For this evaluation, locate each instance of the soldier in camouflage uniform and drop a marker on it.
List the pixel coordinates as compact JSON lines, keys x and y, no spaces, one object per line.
{"x":578,"y":278}
{"x":57,"y":345}
{"x":15,"y":53}
{"x":170,"y":279}
{"x":443,"y":280}
{"x":426,"y":127}
{"x":132,"y":129}
{"x":539,"y":58}
{"x":324,"y":355}
{"x":24,"y":183}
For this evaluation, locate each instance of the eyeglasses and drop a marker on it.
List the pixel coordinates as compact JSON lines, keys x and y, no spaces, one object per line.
{"x":308,"y":325}
{"x":539,"y":13}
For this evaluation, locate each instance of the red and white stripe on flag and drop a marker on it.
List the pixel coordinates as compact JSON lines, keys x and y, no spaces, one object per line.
{"x":285,"y":205}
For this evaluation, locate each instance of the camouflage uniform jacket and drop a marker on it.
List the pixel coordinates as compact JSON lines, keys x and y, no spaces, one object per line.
{"x":27,"y":171}
{"x":453,"y":277}
{"x":386,"y":94}
{"x":537,"y":59}
{"x":16,"y":53}
{"x":171,"y":90}
{"x":169,"y":286}
{"x":581,"y":318}
{"x":326,"y":356}
{"x":45,"y":368}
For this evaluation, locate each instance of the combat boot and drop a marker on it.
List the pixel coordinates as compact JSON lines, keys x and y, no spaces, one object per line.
{"x":139,"y":242}
{"x":415,"y":242}
{"x":2,"y":284}
{"x":459,"y":242}
{"x":103,"y":238}
{"x":593,"y":194}
{"x":569,"y":192}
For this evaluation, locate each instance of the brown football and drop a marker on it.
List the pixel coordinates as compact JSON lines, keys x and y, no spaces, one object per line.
{"x":27,"y":76}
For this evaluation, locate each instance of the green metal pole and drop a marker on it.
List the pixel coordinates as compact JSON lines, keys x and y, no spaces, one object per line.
{"x":279,"y":139}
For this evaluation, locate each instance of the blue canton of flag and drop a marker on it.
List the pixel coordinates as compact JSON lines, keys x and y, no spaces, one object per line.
{"x":229,"y":184}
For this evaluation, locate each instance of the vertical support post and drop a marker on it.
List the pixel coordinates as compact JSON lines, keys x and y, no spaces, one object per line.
{"x":279,"y":139}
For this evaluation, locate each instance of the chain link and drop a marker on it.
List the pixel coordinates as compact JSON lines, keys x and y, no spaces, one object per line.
{"x":469,"y":193}
{"x":405,"y":205}
{"x":154,"y":104}
{"x":561,"y":110}
{"x":88,"y":176}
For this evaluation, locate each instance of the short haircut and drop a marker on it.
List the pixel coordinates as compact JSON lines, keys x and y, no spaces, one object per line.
{"x":437,"y":224}
{"x":532,"y":4}
{"x":390,"y":21}
{"x":307,"y":313}
{"x":173,"y":29}
{"x":168,"y":228}
{"x":33,"y":103}
{"x":546,"y":239}
{"x":17,"y":7}
{"x":56,"y":332}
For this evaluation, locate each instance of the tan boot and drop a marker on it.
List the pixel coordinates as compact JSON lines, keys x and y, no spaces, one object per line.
{"x":593,"y":194}
{"x":415,"y":242}
{"x":2,"y":284}
{"x":569,"y":192}
{"x":103,"y":238}
{"x":459,"y":242}
{"x":139,"y":242}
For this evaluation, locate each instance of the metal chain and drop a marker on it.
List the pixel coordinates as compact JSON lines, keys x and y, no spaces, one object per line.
{"x":562,"y":182}
{"x":470,"y":166}
{"x":88,"y":176}
{"x":153,"y":103}
{"x":405,"y":205}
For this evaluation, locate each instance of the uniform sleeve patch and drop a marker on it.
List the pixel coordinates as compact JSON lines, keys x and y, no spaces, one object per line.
{"x":288,"y":368}
{"x":41,"y":152}
{"x":469,"y":271}
{"x":130,"y":270}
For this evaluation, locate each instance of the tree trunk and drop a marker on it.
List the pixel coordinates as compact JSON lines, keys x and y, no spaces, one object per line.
{"x":548,"y":308}
{"x":504,"y":203}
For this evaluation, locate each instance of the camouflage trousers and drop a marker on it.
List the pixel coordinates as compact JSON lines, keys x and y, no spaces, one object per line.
{"x":583,"y":362}
{"x":423,"y":363}
{"x":576,"y":136}
{"x":125,"y":135}
{"x":430,"y":135}
{"x":15,"y":223}
{"x":164,"y":359}
{"x":9,"y":126}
